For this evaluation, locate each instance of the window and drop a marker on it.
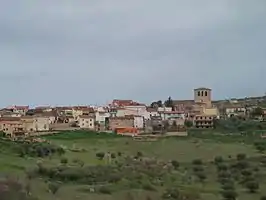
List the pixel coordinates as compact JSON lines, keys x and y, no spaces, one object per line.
{"x":199,"y":93}
{"x":202,"y":93}
{"x":82,"y":124}
{"x":206,"y":93}
{"x":90,"y":120}
{"x":90,"y":124}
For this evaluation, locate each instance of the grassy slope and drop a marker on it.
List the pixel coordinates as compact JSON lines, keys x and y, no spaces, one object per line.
{"x":183,"y":150}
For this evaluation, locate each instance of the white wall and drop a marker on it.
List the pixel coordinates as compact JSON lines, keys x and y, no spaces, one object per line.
{"x":138,"y":122}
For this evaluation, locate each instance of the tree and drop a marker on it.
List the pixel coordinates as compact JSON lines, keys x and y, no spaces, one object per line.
{"x":252,"y":186}
{"x":157,"y":104}
{"x":169,"y":102}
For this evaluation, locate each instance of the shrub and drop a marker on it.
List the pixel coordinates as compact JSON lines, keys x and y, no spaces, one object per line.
{"x":64,"y":161}
{"x":53,"y":187}
{"x":197,"y":162}
{"x":218,"y":159}
{"x":201,"y":176}
{"x":12,"y":189}
{"x":252,"y":186}
{"x":263,"y":198}
{"x":139,"y":154}
{"x":228,"y":186}
{"x":105,"y":190}
{"x":100,"y":155}
{"x":229,"y":194}
{"x":175,"y":164}
{"x":241,"y":156}
{"x":119,"y":153}
{"x":222,"y":167}
{"x":198,"y":169}
{"x":113,"y":155}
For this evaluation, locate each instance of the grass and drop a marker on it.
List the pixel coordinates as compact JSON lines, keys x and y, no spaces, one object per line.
{"x":83,"y":146}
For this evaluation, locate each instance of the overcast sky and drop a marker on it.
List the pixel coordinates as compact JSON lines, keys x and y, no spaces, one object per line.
{"x":92,"y":51}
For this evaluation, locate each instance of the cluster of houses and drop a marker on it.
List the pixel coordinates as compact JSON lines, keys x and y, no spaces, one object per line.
{"x":121,"y":116}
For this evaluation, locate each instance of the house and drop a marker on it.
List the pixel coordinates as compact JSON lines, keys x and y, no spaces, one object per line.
{"x":44,"y":108}
{"x":151,"y":112}
{"x":121,"y":122}
{"x":101,"y":115}
{"x":19,"y":109}
{"x":138,"y":122}
{"x":203,"y":121}
{"x":86,"y":121}
{"x":11,"y":125}
{"x":183,"y":105}
{"x":165,"y":115}
{"x":41,"y":123}
{"x":51,"y":115}
{"x":28,"y":124}
{"x":235,"y":110}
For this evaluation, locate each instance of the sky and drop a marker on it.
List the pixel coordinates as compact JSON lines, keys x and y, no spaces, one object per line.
{"x":89,"y":52}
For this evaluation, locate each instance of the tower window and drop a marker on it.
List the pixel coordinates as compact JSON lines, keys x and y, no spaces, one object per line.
{"x":202,"y":93}
{"x":198,"y":93}
{"x":206,"y":93}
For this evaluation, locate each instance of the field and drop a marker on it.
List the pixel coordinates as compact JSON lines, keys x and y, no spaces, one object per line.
{"x":107,"y":167}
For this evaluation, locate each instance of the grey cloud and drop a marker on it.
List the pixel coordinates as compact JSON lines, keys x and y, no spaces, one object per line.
{"x":82,"y":52}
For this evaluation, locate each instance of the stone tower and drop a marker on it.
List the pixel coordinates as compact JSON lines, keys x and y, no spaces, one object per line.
{"x":202,"y":95}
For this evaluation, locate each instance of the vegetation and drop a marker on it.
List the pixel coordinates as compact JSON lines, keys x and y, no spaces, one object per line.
{"x":107,"y":166}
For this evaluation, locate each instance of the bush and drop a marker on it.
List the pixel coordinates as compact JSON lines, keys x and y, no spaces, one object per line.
{"x":197,"y":162}
{"x":198,"y":169}
{"x":12,"y":189}
{"x":100,"y":155}
{"x":229,"y":194}
{"x":252,"y":186}
{"x":53,"y":187}
{"x":113,"y":155}
{"x":64,"y":161}
{"x":263,"y":198}
{"x":218,"y":159}
{"x":201,"y":176}
{"x":222,"y":167}
{"x":175,"y":164}
{"x":139,"y":154}
{"x":105,"y":190}
{"x":241,"y":156}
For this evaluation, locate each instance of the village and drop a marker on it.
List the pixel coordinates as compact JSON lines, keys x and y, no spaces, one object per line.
{"x":130,"y":117}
